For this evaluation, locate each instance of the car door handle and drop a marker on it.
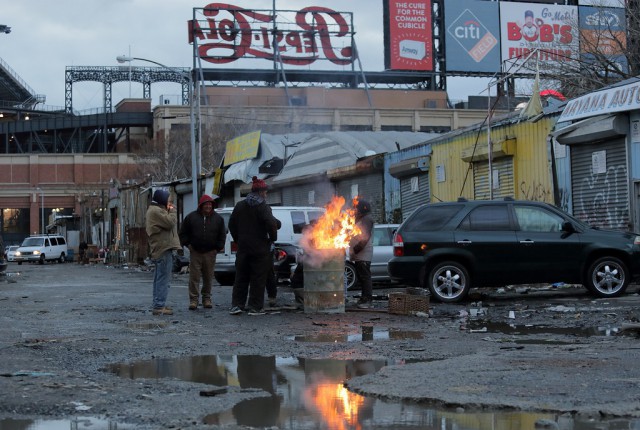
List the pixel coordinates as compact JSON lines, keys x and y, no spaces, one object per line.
{"x":465,"y":242}
{"x":527,"y":242}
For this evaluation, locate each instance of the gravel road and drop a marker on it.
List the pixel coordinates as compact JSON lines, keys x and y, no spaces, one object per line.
{"x":542,"y":349}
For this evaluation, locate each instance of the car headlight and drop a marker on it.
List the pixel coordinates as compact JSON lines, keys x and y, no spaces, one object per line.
{"x":18,"y":254}
{"x":36,"y":252}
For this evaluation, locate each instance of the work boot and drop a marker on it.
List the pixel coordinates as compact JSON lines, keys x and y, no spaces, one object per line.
{"x":273,"y":302}
{"x":207,"y":303}
{"x":193,"y":305}
{"x":162,"y":311}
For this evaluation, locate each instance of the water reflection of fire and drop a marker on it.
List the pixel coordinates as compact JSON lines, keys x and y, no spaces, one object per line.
{"x":337,"y":405}
{"x":335,"y":228}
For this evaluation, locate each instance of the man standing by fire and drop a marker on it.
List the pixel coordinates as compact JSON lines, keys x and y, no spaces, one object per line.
{"x":361,"y":252}
{"x":254,"y":228}
{"x":203,"y":232}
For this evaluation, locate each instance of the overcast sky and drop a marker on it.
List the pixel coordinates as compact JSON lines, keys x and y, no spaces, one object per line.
{"x":47,"y":36}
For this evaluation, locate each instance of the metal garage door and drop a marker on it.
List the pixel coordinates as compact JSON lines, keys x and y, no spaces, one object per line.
{"x":414,"y":191}
{"x":599,"y":184}
{"x":503,"y":168}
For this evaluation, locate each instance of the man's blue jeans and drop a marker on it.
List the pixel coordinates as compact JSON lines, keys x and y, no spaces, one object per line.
{"x":161,"y":279}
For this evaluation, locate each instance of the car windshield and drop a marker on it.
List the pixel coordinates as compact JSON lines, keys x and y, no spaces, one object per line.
{"x":33,"y":241}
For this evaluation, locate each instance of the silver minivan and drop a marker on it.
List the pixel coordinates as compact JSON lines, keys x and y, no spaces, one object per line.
{"x":293,"y":219}
{"x":42,"y":248}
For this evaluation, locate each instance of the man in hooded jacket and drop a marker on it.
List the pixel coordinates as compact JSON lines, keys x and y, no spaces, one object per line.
{"x":361,"y":252}
{"x":203,"y":232}
{"x":254,"y":228}
{"x":161,"y":226}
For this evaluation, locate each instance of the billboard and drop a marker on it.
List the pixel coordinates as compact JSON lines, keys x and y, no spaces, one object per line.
{"x":603,"y":3}
{"x":549,"y":31}
{"x":603,"y":33}
{"x":408,"y":35}
{"x":472,"y":36}
{"x":225,"y":33}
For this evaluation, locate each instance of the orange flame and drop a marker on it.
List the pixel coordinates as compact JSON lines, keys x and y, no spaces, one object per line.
{"x":338,"y":407}
{"x":336,"y":227}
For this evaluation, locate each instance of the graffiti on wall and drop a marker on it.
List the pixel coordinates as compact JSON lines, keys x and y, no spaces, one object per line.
{"x":535,"y":191}
{"x":601,"y":200}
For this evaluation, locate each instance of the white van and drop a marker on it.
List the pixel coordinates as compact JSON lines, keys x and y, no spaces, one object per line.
{"x":293,"y":219}
{"x":42,"y":248}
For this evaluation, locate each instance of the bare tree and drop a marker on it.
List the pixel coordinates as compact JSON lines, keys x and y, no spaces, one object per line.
{"x":166,"y":160}
{"x":608,"y":54}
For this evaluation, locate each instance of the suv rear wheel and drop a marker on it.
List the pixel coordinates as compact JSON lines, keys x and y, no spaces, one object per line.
{"x":607,"y":277}
{"x":449,"y":282}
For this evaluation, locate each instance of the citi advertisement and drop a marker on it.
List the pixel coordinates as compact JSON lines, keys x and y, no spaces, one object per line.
{"x":472,"y":36}
{"x":409,"y":39}
{"x":545,"y":32}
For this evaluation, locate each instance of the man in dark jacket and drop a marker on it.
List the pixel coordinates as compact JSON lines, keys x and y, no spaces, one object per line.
{"x":203,"y":232}
{"x":361,"y":252}
{"x":254,"y":228}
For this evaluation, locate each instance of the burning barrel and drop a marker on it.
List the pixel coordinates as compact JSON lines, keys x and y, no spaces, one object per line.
{"x":324,"y":282}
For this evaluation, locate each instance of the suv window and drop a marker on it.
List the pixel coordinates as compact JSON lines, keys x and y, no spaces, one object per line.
{"x":431,"y":218}
{"x":487,"y":218}
{"x":537,"y":219}
{"x":54,"y":241}
{"x":62,"y":241}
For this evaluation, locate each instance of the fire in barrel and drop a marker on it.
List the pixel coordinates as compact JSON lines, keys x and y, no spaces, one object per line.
{"x":324,"y":247}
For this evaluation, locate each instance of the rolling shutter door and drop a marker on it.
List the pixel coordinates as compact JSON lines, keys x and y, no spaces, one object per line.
{"x":599,"y":184}
{"x":504,"y":167}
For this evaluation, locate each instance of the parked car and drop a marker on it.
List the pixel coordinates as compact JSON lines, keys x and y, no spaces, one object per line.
{"x":41,"y":248}
{"x":382,"y":253}
{"x":293,"y":219}
{"x":452,"y":247}
{"x":11,"y":252}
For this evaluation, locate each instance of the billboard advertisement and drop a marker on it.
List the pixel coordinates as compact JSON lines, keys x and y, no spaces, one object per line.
{"x":472,"y":37}
{"x":408,"y":39}
{"x":603,"y":32}
{"x":225,"y":33}
{"x":549,"y":33}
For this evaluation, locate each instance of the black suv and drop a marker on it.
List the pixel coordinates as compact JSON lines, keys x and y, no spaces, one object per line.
{"x":454,"y":246}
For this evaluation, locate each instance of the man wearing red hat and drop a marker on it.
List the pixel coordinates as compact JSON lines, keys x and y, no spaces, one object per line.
{"x":254,"y":228}
{"x":203,"y":232}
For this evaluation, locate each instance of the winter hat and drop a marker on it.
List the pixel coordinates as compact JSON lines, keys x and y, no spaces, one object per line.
{"x":161,"y":197}
{"x":258,"y":184}
{"x":204,"y":199}
{"x":363,"y":207}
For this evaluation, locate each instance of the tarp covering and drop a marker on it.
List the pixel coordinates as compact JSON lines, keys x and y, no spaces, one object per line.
{"x":313,"y":153}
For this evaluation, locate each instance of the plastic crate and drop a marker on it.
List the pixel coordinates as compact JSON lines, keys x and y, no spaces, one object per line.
{"x":407,"y":304}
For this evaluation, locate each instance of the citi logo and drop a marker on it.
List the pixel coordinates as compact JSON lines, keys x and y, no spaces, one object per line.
{"x":468,"y":30}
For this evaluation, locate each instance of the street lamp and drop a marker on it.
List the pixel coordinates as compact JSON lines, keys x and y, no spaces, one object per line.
{"x":192,"y":121}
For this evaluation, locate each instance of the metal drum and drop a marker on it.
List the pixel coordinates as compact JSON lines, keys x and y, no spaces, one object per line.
{"x":324,"y":282}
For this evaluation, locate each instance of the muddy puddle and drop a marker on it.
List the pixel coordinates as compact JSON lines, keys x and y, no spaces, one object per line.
{"x":367,"y":333}
{"x":64,"y":424}
{"x":309,"y":393}
{"x":530,"y":329}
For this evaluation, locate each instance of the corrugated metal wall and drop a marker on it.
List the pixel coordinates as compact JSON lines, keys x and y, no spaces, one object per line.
{"x":370,"y":188}
{"x":532,"y":179}
{"x":601,"y":199}
{"x":392,"y":191}
{"x":309,"y":194}
{"x":414,"y":195}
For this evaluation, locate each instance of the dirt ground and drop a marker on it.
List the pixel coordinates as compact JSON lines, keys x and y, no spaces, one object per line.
{"x":537,"y":348}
